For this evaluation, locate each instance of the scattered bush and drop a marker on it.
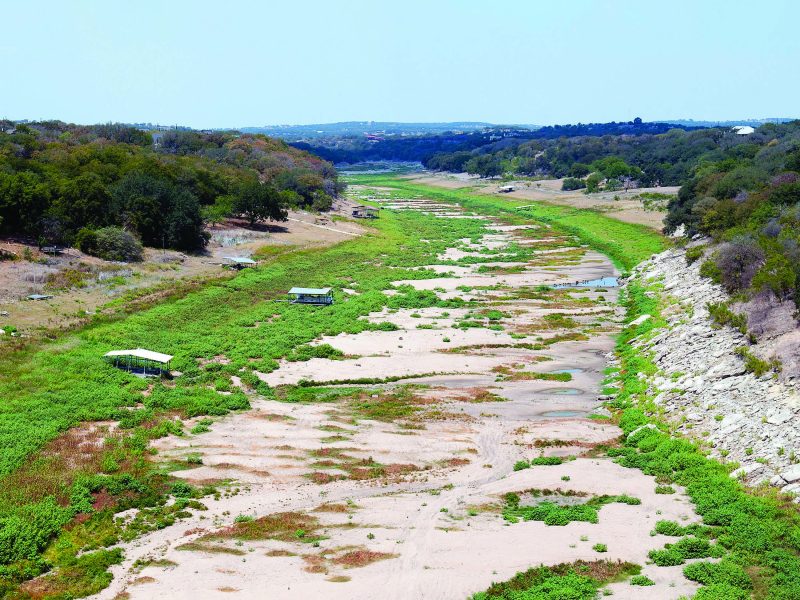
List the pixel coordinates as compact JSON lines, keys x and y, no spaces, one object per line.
{"x":755,"y":365}
{"x":694,"y":254}
{"x":642,"y":580}
{"x":113,"y":243}
{"x":722,"y":315}
{"x":573,"y":183}
{"x":738,"y":261}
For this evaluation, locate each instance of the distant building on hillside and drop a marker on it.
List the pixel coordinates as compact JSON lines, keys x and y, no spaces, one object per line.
{"x":506,"y":189}
{"x":742,"y":129}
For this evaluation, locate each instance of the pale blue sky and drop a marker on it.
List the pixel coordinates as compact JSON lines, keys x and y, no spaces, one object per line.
{"x":234,"y":63}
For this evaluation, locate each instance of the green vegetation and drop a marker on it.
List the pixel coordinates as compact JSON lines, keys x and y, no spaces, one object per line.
{"x":641,"y":580}
{"x":757,"y":534}
{"x":580,"y":580}
{"x":553,"y":513}
{"x":625,"y":243}
{"x":722,"y":315}
{"x":50,"y":388}
{"x":747,"y":197}
{"x":65,"y":184}
{"x":755,"y":365}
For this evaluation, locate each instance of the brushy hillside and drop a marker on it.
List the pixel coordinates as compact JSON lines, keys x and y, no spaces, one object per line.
{"x":57,"y":179}
{"x":748,"y":199}
{"x":452,"y":150}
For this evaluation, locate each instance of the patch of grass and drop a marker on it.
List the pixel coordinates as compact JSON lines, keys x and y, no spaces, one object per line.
{"x":285,"y":527}
{"x":210,"y":548}
{"x":758,"y":530}
{"x":553,"y":513}
{"x":642,"y":580}
{"x":580,"y":580}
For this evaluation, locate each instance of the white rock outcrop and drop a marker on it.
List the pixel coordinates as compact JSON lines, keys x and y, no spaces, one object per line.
{"x":704,"y":388}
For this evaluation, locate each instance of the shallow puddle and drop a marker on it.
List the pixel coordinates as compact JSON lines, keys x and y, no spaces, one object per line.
{"x":563,"y":413}
{"x":562,"y":391}
{"x":570,"y":371}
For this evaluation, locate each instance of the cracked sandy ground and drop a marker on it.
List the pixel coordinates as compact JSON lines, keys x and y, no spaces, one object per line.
{"x":429,"y":526}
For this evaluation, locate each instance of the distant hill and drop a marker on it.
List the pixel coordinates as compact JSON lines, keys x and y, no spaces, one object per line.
{"x":348,"y":128}
{"x":751,"y":122}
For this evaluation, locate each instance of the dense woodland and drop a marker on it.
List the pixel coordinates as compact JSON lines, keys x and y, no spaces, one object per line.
{"x":449,"y":151}
{"x":61,"y":183}
{"x":747,"y":196}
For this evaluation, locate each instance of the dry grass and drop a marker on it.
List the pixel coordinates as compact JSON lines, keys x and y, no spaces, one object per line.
{"x":283,"y":526}
{"x":333,"y":508}
{"x":277,"y":553}
{"x":201,"y":546}
{"x":360,"y":558}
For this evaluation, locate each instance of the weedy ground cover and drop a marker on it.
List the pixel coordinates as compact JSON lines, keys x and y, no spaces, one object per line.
{"x":757,"y":532}
{"x":580,"y":580}
{"x":51,"y":387}
{"x":625,"y":243}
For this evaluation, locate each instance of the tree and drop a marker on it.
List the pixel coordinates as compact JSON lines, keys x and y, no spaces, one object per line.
{"x":113,"y":243}
{"x":258,"y":201}
{"x":593,"y":183}
{"x":738,"y":261}
{"x":573,"y":183}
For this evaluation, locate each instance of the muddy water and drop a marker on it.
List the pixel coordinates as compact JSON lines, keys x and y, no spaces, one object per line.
{"x":432,"y":530}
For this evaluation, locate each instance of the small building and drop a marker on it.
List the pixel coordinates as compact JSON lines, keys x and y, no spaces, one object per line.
{"x":300,"y":295}
{"x":743,"y":129}
{"x":365,"y":212}
{"x":140,"y":361}
{"x":506,"y":189}
{"x":239,"y":262}
{"x":39,"y":297}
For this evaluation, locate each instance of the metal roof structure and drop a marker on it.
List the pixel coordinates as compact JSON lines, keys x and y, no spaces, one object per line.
{"x":241,"y":260}
{"x":310,"y":291}
{"x":39,"y":297}
{"x":142,"y":353}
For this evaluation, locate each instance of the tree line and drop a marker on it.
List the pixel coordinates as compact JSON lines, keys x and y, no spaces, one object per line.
{"x":747,"y":197}
{"x":58,"y":180}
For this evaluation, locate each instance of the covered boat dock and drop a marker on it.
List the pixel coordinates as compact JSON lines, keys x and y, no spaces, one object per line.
{"x":301,"y":295}
{"x":140,"y":361}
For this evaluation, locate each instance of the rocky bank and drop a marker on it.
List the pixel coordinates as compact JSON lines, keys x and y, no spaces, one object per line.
{"x":702,"y":384}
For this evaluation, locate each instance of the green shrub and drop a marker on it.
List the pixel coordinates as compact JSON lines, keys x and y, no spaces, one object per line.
{"x":86,"y":241}
{"x":546,"y":461}
{"x":710,"y":269}
{"x":642,"y":580}
{"x":670,"y":528}
{"x":722,"y":315}
{"x":723,"y":591}
{"x":755,"y":365}
{"x":666,"y":558}
{"x":600,"y":548}
{"x":573,"y":183}
{"x":725,"y":571}
{"x":113,"y":243}
{"x":694,"y":254}
{"x":521,"y":465}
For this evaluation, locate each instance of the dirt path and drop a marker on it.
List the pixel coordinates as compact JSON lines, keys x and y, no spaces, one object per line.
{"x":409,"y":507}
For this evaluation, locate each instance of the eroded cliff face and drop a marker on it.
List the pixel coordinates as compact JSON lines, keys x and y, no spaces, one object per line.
{"x":703,"y":386}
